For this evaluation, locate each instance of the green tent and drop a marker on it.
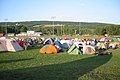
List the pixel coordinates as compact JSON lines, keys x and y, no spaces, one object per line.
{"x":115,"y":40}
{"x":73,"y":50}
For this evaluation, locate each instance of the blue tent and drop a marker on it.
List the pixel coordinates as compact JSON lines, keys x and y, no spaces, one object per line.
{"x":58,"y":44}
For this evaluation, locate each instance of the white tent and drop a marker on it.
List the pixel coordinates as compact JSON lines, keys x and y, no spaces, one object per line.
{"x":88,"y":49}
{"x":9,"y":45}
{"x":81,"y":46}
{"x":3,"y":45}
{"x":103,"y":39}
{"x":112,"y":45}
{"x":66,"y":41}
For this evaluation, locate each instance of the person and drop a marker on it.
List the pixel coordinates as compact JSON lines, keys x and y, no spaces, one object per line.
{"x":20,"y":42}
{"x":30,"y":42}
{"x":25,"y":45}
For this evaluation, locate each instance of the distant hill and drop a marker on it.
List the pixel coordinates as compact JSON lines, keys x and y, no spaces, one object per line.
{"x":81,"y":24}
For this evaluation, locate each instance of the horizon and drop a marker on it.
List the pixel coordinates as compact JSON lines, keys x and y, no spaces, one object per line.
{"x":99,"y":11}
{"x":56,"y":21}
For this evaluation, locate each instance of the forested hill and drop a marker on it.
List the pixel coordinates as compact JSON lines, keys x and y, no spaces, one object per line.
{"x":46,"y":27}
{"x":81,"y":24}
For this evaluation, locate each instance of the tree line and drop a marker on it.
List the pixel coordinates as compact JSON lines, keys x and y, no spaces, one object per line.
{"x":13,"y":29}
{"x":67,"y":29}
{"x":77,"y":29}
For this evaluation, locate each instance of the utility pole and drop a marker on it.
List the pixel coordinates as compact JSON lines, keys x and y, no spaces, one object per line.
{"x":6,"y":27}
{"x":53,"y":17}
{"x":61,"y":30}
{"x":16,"y":27}
{"x":79,"y":27}
{"x":69,"y":29}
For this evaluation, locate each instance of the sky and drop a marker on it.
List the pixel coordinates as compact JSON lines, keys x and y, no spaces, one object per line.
{"x":104,"y":11}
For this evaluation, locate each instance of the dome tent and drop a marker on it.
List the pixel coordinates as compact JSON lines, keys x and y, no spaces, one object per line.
{"x":9,"y":45}
{"x":48,"y":49}
{"x":74,"y":50}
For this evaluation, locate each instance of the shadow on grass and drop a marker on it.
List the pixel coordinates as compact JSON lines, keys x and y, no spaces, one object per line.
{"x":9,"y":61}
{"x":64,"y":71}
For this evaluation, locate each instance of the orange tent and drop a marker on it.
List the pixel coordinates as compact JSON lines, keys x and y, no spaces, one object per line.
{"x":48,"y":49}
{"x":117,"y":44}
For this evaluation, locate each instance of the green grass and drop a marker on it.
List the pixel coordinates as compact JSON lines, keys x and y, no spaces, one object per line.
{"x":31,"y":65}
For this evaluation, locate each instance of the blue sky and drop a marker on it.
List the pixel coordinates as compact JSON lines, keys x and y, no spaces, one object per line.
{"x":106,"y":11}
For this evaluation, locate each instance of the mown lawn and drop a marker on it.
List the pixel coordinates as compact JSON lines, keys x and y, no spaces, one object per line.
{"x":31,"y":65}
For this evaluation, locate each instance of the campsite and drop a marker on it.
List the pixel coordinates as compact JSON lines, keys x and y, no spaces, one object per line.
{"x":67,"y":65}
{"x":59,"y":40}
{"x":87,"y":54}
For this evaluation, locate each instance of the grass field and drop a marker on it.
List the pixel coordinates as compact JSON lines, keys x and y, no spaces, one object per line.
{"x":31,"y":65}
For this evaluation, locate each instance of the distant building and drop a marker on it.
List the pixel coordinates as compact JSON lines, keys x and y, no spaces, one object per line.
{"x":29,"y":33}
{"x":22,"y":34}
{"x":11,"y":34}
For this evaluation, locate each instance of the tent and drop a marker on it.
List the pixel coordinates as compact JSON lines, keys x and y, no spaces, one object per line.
{"x":112,"y":45}
{"x":9,"y":45}
{"x":117,"y":44}
{"x":3,"y":45}
{"x":89,"y":49}
{"x":102,"y":46}
{"x":13,"y":45}
{"x":48,"y":49}
{"x":65,"y":46}
{"x":84,"y":49}
{"x":58,"y":45}
{"x":74,"y":50}
{"x":93,"y":41}
{"x":66,"y":41}
{"x":119,"y":39}
{"x":115,"y":39}
{"x":49,"y":41}
{"x":103,"y":39}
